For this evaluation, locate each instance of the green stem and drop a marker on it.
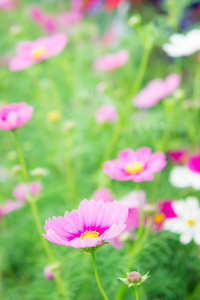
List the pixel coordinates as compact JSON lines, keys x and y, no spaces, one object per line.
{"x":21,"y":157}
{"x":35,"y":213}
{"x":70,"y":170}
{"x":97,"y":276}
{"x":136,"y":292}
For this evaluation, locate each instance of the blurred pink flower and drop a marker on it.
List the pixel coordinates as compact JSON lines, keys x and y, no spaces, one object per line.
{"x":31,"y":52}
{"x":88,"y":226}
{"x":10,"y":206}
{"x":178,"y":156}
{"x":48,"y":22}
{"x":7,"y":5}
{"x":103,"y":194}
{"x":194,"y":163}
{"x":165,"y":211}
{"x":48,"y":273}
{"x":14,"y":115}
{"x":156,"y":90}
{"x":139,"y":165}
{"x":106,"y":114}
{"x":70,"y":17}
{"x":134,"y":201}
{"x":112,"y":61}
{"x":22,"y":190}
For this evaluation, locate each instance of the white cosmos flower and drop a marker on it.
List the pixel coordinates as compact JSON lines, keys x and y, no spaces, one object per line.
{"x":182,"y":177}
{"x":183,"y":45}
{"x":187,"y":223}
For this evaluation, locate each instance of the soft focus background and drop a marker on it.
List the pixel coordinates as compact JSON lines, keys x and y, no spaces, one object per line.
{"x":71,"y":146}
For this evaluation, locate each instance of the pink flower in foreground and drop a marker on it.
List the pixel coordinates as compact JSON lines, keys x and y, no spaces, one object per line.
{"x":178,"y":156}
{"x":14,"y":115}
{"x":156,"y":90}
{"x":112,"y":61}
{"x":134,"y":201}
{"x":139,"y":165}
{"x":31,"y":52}
{"x":103,"y":194}
{"x":48,"y":273}
{"x":165,"y":211}
{"x":106,"y":114}
{"x":194,"y":163}
{"x":88,"y":226}
{"x":22,"y":190}
{"x":10,"y":206}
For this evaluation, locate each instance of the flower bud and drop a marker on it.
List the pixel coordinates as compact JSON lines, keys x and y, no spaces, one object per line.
{"x":16,"y":169}
{"x":39,"y":172}
{"x":134,"y":21}
{"x":134,"y":276}
{"x":69,"y":125}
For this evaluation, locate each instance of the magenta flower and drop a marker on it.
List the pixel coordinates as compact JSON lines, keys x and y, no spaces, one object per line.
{"x":165,"y":211}
{"x":178,"y":156}
{"x":31,"y":52}
{"x":22,"y":190}
{"x":10,"y":206}
{"x":88,"y":226}
{"x":103,"y":194}
{"x":106,"y":114}
{"x":156,"y":90}
{"x":112,"y":61}
{"x":139,"y":165}
{"x":14,"y":115}
{"x":194,"y":163}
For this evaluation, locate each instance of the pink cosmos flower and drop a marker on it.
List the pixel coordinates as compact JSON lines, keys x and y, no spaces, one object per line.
{"x":134,"y":201}
{"x":22,"y":190}
{"x":7,"y":4}
{"x":88,"y":226}
{"x":112,"y":61}
{"x":194,"y":163}
{"x":14,"y":115}
{"x":156,"y":90}
{"x":165,"y":211}
{"x":10,"y":206}
{"x":139,"y":165}
{"x":31,"y":52}
{"x":178,"y":156}
{"x":106,"y":114}
{"x":103,"y":194}
{"x":48,"y":274}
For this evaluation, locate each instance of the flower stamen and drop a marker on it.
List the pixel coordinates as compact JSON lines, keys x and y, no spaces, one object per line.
{"x":159,"y":218}
{"x":134,"y":167}
{"x":38,"y":52}
{"x":89,"y":233}
{"x":190,"y":222}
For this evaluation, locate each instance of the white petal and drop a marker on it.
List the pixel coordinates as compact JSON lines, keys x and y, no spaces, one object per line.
{"x":175,"y":225}
{"x":186,"y":237}
{"x":197,"y":234}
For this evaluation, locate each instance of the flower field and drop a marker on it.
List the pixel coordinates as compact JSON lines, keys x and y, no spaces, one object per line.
{"x":100,"y":155}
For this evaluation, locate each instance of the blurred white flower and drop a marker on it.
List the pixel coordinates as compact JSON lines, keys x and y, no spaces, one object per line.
{"x":39,"y":172}
{"x":187,"y":223}
{"x":182,"y":177}
{"x":183,"y":45}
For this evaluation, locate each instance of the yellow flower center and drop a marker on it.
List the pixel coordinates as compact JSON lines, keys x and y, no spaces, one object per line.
{"x":38,"y":52}
{"x":159,"y":218}
{"x":89,"y":233}
{"x":54,"y":116}
{"x":190,"y":222}
{"x":134,"y":167}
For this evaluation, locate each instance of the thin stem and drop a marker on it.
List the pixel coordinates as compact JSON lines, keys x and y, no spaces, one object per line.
{"x":35,"y":213}
{"x":97,"y":276}
{"x":21,"y":156}
{"x":136,"y":292}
